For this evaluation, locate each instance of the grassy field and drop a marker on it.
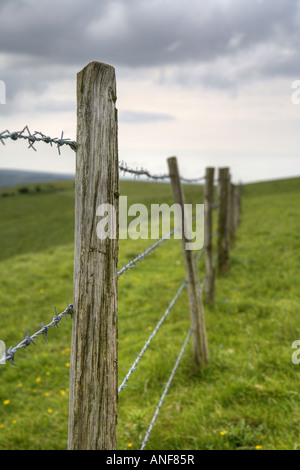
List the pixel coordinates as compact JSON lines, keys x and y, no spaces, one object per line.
{"x":248,"y":397}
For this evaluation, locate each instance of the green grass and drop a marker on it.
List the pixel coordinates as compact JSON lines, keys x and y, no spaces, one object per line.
{"x":248,"y":396}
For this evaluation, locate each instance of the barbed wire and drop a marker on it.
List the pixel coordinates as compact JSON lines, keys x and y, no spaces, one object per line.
{"x":165,"y":391}
{"x":38,"y":136}
{"x":199,"y":254}
{"x":172,"y":303}
{"x":140,"y":355}
{"x":132,"y":264}
{"x":10,"y":353}
{"x":192,"y":180}
{"x":142,"y":172}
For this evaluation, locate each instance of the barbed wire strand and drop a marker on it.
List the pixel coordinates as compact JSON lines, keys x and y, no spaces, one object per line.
{"x":132,"y":264}
{"x":173,"y":301}
{"x":142,"y":172}
{"x":199,"y":254}
{"x":140,"y":355}
{"x":38,"y":136}
{"x":10,"y":353}
{"x":165,"y":391}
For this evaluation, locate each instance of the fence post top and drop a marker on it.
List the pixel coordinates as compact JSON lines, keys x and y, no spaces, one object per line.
{"x":97,"y":66}
{"x":96,"y":63}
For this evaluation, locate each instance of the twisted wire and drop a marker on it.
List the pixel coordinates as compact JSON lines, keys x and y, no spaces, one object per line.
{"x":142,"y":172}
{"x":28,"y":339}
{"x":132,"y":264}
{"x":140,"y":355}
{"x":165,"y":391}
{"x":173,"y":301}
{"x":38,"y":136}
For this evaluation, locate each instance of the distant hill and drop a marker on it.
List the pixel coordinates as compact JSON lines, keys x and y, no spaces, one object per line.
{"x":14,"y":177}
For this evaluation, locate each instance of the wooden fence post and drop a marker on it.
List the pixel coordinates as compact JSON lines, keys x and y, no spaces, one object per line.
{"x":239,"y":203}
{"x":208,"y":208}
{"x":93,"y":370}
{"x":236,"y":207}
{"x":231,"y":208}
{"x":193,"y":285}
{"x":223,"y":221}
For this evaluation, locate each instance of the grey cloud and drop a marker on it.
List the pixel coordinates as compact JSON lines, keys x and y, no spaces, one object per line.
{"x":143,"y":33}
{"x":219,"y":43}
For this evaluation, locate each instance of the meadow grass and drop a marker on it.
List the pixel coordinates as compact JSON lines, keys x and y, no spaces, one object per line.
{"x":248,"y":396}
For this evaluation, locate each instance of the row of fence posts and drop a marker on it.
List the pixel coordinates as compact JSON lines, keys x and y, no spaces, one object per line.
{"x":94,"y":353}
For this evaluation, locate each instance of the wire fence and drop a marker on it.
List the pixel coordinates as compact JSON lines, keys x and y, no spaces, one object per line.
{"x":132,"y":264}
{"x":34,"y":137}
{"x":166,"y":390}
{"x":9,"y":354}
{"x":140,"y":355}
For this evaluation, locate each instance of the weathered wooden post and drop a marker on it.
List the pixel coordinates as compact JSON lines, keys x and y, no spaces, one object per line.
{"x":208,"y":208}
{"x":239,"y":198}
{"x":236,"y":203}
{"x":223,"y":221}
{"x":231,"y":208}
{"x":200,"y":345}
{"x":93,"y":370}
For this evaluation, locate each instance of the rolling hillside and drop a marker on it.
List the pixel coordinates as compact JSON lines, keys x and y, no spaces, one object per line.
{"x":248,"y":397}
{"x":18,"y":177}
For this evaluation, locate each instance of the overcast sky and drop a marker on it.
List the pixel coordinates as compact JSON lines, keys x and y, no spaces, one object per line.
{"x":209,"y":81}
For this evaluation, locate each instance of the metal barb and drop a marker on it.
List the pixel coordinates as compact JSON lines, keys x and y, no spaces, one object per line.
{"x":10,"y":356}
{"x":27,"y":339}
{"x":44,"y":331}
{"x":56,"y":318}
